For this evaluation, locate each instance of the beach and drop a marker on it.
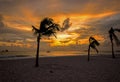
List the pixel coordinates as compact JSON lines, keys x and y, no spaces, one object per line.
{"x":100,"y":68}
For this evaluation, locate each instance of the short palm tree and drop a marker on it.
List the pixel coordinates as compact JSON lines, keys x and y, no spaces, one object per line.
{"x":47,"y":28}
{"x":113,"y":36}
{"x":92,"y":43}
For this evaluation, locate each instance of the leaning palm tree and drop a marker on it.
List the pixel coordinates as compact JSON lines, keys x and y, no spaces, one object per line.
{"x":47,"y":28}
{"x":92,"y":43}
{"x":113,"y":36}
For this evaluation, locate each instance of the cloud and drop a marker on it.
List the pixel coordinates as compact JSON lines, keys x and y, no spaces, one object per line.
{"x":92,"y":17}
{"x":66,"y":24}
{"x":41,"y":7}
{"x":9,"y":33}
{"x":95,"y":25}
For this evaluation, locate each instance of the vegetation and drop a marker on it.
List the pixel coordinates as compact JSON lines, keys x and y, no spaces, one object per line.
{"x":113,"y":36}
{"x":92,"y":43}
{"x":47,"y":28}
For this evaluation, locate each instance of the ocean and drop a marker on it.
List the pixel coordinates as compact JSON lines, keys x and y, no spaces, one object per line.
{"x":32,"y":54}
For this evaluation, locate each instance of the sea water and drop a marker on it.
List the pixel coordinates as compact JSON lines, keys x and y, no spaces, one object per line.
{"x":31,"y":54}
{"x":42,"y":53}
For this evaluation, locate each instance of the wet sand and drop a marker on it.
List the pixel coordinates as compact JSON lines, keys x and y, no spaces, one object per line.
{"x":61,"y":69}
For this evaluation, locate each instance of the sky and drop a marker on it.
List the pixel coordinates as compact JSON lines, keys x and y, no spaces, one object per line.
{"x":87,"y":18}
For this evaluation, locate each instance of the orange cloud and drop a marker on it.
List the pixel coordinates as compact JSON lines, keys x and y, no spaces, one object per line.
{"x":29,"y":15}
{"x":78,"y":21}
{"x":70,"y":37}
{"x":99,"y":38}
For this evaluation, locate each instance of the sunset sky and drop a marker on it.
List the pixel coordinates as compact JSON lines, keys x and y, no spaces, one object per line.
{"x":88,"y":18}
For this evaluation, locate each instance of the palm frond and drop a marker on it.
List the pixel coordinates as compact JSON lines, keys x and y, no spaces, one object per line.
{"x":55,"y":27}
{"x":117,"y":30}
{"x":54,"y":35}
{"x":48,"y":27}
{"x":96,"y":43}
{"x":111,"y":30}
{"x":113,"y":36}
{"x":93,"y":43}
{"x":49,"y":33}
{"x":45,"y":23}
{"x":117,"y":41}
{"x":35,"y":30}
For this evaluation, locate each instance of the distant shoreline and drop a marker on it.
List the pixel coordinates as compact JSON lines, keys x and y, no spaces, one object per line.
{"x":12,"y":57}
{"x":32,"y":54}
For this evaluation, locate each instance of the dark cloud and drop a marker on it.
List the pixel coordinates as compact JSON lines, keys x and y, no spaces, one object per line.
{"x":41,"y":8}
{"x":9,"y":33}
{"x":100,"y":27}
{"x":8,"y":6}
{"x":66,"y":24}
{"x":108,"y":22}
{"x":89,"y":6}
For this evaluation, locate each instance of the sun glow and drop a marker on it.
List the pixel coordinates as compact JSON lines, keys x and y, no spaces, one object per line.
{"x":79,"y":24}
{"x":65,"y":39}
{"x":63,"y":36}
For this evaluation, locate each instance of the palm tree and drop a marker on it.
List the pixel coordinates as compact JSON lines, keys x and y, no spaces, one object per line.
{"x":112,"y":35}
{"x":92,"y":43}
{"x":47,"y":28}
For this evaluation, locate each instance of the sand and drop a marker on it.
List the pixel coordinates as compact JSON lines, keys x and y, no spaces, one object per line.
{"x":61,"y":69}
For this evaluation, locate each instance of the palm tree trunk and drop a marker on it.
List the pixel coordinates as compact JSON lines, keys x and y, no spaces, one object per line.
{"x":89,"y":53}
{"x":113,"y":55}
{"x":37,"y":53}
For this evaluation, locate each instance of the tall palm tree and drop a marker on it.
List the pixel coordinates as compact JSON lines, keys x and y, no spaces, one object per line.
{"x":92,"y":43}
{"x":113,"y":36}
{"x":47,"y":28}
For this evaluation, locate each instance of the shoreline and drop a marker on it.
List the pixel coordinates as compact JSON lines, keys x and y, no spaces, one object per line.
{"x":10,"y":57}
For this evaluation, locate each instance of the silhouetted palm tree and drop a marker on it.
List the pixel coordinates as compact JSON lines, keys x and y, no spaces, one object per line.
{"x":92,"y":43}
{"x":47,"y":27}
{"x":112,"y":35}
